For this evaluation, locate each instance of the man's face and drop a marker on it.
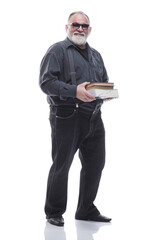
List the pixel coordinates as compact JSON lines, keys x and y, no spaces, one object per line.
{"x":76,"y":34}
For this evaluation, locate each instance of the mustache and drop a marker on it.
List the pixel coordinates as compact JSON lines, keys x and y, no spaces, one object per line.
{"x":79,"y":33}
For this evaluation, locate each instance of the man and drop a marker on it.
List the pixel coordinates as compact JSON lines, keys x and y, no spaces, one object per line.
{"x":75,"y":119}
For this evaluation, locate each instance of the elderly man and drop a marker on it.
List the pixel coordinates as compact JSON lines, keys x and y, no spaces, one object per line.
{"x":75,"y":119}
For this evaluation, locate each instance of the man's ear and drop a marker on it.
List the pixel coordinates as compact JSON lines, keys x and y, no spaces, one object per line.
{"x":66,"y":27}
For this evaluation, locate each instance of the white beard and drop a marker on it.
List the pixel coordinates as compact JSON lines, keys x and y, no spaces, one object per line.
{"x":78,"y":40}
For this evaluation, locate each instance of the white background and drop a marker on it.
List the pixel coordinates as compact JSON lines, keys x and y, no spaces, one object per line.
{"x":126,"y":33}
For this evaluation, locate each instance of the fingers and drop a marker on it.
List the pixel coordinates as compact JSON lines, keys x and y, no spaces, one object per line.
{"x":85,"y":83}
{"x":89,"y":96}
{"x":86,"y":97}
{"x":83,"y":94}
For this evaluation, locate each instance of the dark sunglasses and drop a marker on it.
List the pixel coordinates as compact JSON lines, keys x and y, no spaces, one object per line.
{"x":76,"y":25}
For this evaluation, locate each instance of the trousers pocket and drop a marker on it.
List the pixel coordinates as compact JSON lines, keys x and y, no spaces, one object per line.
{"x":65,"y":113}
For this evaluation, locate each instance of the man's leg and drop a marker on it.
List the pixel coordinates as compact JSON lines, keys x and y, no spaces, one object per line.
{"x":92,"y":155}
{"x":63,"y":150}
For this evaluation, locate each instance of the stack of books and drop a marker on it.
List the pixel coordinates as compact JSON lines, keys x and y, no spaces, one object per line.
{"x":102,"y":90}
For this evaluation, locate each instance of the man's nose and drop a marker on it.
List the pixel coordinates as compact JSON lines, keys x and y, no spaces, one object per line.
{"x":80,"y":29}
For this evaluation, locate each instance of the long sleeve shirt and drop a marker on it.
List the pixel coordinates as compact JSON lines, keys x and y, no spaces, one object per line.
{"x":55,"y":78}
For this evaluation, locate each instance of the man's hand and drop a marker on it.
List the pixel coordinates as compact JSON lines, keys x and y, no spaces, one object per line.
{"x":83,"y":94}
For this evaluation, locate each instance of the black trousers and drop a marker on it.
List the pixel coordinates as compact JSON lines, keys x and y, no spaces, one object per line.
{"x":75,"y":128}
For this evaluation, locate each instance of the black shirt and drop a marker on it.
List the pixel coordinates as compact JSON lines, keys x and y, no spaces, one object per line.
{"x":84,"y":52}
{"x":55,"y":80}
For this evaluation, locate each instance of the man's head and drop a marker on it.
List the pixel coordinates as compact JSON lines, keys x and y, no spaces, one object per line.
{"x":78,"y":28}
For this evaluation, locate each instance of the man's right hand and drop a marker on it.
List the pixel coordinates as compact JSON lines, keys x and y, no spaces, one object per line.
{"x":83,"y":94}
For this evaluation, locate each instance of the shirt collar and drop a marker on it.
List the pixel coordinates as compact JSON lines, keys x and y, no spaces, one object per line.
{"x":69,"y":43}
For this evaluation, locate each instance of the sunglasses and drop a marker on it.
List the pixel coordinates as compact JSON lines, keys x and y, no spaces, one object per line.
{"x":76,"y":25}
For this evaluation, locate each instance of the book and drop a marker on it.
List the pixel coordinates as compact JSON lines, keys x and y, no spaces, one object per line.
{"x":99,"y":85}
{"x":102,"y":90}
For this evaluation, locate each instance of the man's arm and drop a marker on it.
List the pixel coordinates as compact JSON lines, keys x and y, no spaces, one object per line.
{"x":50,"y":84}
{"x":49,"y":78}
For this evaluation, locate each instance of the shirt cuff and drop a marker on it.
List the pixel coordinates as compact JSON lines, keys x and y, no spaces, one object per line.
{"x":68,"y":91}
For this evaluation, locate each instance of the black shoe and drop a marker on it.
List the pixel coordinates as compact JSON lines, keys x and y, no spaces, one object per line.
{"x":57,"y":221}
{"x":98,"y":218}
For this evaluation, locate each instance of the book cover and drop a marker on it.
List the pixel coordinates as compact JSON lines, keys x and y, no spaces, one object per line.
{"x":100,"y":85}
